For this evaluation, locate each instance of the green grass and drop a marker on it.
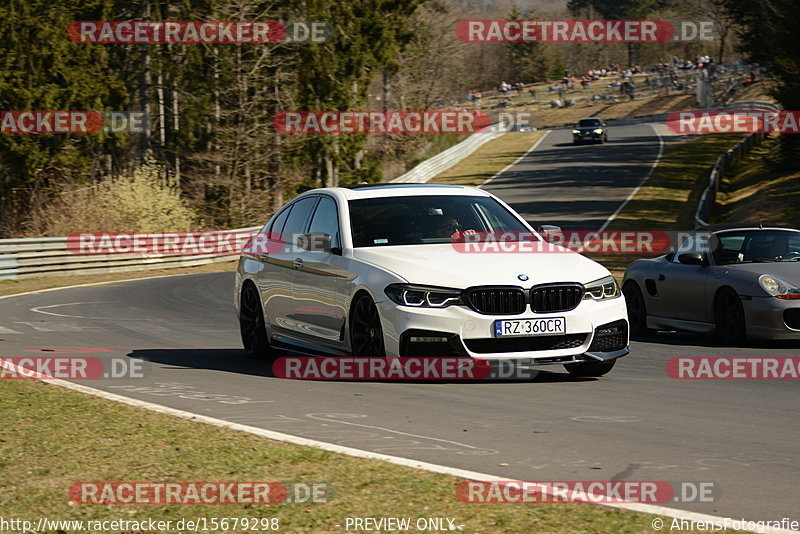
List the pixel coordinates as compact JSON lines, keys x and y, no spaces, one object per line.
{"x":54,"y":438}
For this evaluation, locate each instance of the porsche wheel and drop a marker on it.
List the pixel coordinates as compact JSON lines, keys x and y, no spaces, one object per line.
{"x":729,"y":317}
{"x":637,"y":310}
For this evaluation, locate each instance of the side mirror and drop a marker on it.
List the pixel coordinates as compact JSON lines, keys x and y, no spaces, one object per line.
{"x":691,"y":258}
{"x":317,"y":242}
{"x":548,"y":231}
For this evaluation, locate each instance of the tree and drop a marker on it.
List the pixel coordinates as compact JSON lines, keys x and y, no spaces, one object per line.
{"x":528,"y":61}
{"x":42,"y":70}
{"x":768,"y":33}
{"x":616,"y":10}
{"x":367,"y":37}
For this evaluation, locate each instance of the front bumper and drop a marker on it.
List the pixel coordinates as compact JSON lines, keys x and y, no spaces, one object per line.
{"x":772,"y":318}
{"x":587,"y":137}
{"x":595,"y":331}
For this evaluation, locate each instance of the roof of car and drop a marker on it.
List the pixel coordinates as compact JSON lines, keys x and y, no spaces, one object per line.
{"x":590,"y":118}
{"x":717,"y":228}
{"x":399,"y":189}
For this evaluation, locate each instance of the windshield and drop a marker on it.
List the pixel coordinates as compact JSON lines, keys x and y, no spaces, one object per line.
{"x":417,"y":220}
{"x":589,"y":122}
{"x":755,"y":246}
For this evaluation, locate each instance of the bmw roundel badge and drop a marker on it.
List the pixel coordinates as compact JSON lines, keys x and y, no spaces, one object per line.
{"x":523,"y":277}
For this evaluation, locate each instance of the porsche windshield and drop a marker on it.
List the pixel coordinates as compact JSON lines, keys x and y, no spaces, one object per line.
{"x":755,"y":246}
{"x":416,"y":220}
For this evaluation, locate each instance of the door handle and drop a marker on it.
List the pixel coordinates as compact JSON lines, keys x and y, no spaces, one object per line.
{"x":661,"y":277}
{"x":298,"y":263}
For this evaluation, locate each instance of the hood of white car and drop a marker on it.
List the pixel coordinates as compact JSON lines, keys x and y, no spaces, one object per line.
{"x":442,"y":265}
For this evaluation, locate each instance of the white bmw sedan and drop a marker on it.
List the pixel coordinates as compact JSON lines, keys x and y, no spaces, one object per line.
{"x":382,"y":270}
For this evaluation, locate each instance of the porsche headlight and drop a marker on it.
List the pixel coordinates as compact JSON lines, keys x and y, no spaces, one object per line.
{"x":598,"y":130}
{"x":603,"y":289}
{"x":778,"y":288}
{"x":422,"y":296}
{"x":576,"y":131}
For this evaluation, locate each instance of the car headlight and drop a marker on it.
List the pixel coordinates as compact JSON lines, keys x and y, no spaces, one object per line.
{"x":603,"y":289}
{"x":423,"y":296}
{"x":598,"y":130}
{"x":576,"y":131}
{"x":778,"y":288}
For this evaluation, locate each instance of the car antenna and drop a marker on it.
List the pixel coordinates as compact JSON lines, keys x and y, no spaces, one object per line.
{"x":760,"y":226}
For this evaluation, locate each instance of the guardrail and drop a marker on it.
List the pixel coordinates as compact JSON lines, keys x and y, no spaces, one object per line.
{"x":55,"y":256}
{"x":709,"y":196}
{"x":446,"y":159}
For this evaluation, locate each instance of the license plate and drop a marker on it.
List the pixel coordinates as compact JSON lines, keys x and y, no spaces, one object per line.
{"x":530,"y":327}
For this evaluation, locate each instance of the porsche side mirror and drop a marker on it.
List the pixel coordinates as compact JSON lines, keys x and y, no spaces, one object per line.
{"x":691,"y":258}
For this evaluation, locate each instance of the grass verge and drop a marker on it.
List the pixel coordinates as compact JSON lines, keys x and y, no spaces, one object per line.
{"x":61,"y":437}
{"x":757,"y":189}
{"x":489,"y":159}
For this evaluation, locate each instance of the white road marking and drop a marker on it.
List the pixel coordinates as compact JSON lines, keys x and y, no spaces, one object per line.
{"x":644,"y":180}
{"x":531,"y":149}
{"x":57,"y":326}
{"x":4,"y":330}
{"x":40,"y":309}
{"x":338,"y":418}
{"x":605,"y":419}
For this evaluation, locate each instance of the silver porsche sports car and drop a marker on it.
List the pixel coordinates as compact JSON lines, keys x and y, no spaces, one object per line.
{"x":742,"y":282}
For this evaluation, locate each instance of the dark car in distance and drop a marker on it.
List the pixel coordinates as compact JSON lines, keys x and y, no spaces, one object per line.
{"x":590,"y":130}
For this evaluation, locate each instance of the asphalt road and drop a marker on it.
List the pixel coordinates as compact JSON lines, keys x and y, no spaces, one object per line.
{"x":634,"y":424}
{"x":578,"y":187}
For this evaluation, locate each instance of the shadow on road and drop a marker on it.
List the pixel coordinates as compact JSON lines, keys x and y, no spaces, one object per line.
{"x":688,"y":339}
{"x":237,"y":361}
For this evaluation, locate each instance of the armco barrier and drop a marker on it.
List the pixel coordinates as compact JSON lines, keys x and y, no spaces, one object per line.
{"x":724,"y":161}
{"x":49,"y":256}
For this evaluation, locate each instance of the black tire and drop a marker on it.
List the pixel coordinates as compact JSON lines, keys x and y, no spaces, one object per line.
{"x":590,"y":369}
{"x":729,"y":318}
{"x":637,"y":309}
{"x":366,"y":333}
{"x":252,"y":326}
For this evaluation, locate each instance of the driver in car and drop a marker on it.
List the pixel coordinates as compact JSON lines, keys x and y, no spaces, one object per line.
{"x":448,"y":227}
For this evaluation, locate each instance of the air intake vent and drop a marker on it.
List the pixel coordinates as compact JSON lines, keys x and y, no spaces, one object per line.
{"x":525,"y":344}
